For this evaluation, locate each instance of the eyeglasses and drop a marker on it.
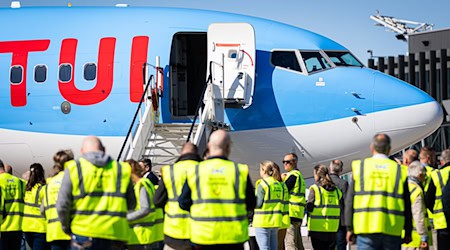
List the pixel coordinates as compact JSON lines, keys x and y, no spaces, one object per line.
{"x":287,"y":162}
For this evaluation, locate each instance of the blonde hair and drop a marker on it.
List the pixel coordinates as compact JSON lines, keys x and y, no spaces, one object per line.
{"x":271,"y":169}
{"x":324,"y":178}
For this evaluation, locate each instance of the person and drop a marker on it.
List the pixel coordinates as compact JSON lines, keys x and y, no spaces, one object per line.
{"x":323,"y":210}
{"x":218,"y":192}
{"x":58,"y":239}
{"x":147,"y":165}
{"x":268,"y":215}
{"x":12,"y":192}
{"x":145,"y":221}
{"x":335,"y":170}
{"x":33,"y":223}
{"x":297,"y":201}
{"x":427,"y":157}
{"x":96,"y":193}
{"x":8,"y":169}
{"x":409,"y":156}
{"x":378,"y":204}
{"x":176,"y":221}
{"x":421,"y":236}
{"x":434,"y":201}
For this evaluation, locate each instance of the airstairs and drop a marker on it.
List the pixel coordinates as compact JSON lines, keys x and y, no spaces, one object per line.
{"x":230,"y":84}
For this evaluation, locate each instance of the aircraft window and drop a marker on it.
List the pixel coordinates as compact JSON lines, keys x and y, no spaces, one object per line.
{"x":343,"y":58}
{"x":285,"y":59}
{"x":314,"y":61}
{"x":65,"y":72}
{"x":40,"y":73}
{"x":90,"y":71}
{"x":16,"y":74}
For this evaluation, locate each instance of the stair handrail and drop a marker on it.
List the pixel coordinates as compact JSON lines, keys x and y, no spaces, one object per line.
{"x":130,"y":129}
{"x":200,"y":103}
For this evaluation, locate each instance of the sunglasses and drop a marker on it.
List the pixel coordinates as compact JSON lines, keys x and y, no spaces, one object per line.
{"x":286,"y":162}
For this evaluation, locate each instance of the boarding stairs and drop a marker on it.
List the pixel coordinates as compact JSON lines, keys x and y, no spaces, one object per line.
{"x":230,"y":84}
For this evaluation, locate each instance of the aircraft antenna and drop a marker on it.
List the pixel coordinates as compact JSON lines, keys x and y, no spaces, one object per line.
{"x":402,"y":27}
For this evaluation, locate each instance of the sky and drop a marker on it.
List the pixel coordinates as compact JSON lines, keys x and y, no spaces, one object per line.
{"x":346,"y":21}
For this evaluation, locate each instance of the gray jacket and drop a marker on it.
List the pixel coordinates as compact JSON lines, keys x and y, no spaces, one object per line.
{"x":64,"y":204}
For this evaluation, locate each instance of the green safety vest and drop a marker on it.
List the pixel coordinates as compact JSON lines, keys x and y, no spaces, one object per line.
{"x":54,"y":228}
{"x":297,"y":200}
{"x":99,"y":195}
{"x":325,"y":216}
{"x":176,"y":221}
{"x":416,"y":191}
{"x":12,"y":189}
{"x":272,"y":211}
{"x":218,"y":212}
{"x":440,"y":178}
{"x":378,"y":205}
{"x":33,"y":220}
{"x":148,"y":229}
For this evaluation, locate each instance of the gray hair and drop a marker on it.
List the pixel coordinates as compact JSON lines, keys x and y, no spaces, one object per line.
{"x":445,"y":156}
{"x":336,"y":166}
{"x":415,"y":169}
{"x":381,"y":143}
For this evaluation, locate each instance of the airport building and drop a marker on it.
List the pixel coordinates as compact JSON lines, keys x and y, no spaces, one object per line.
{"x":427,"y":66}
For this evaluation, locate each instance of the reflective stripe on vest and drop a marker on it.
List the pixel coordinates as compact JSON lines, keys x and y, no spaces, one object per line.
{"x":218,"y":194}
{"x":325,"y":216}
{"x":148,"y":229}
{"x":378,"y":203}
{"x":100,"y":205}
{"x":271,"y":212}
{"x":54,"y":228}
{"x":33,"y":220}
{"x":416,"y":191}
{"x":440,"y":178}
{"x":12,"y":189}
{"x":297,"y":200}
{"x":177,"y":221}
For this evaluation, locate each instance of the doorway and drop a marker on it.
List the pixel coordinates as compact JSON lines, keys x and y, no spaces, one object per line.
{"x":187,"y":72}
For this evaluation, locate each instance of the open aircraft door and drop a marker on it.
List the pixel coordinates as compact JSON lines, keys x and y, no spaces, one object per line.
{"x":231,"y":62}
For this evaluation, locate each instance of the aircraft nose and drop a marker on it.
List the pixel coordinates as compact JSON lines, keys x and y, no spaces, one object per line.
{"x":407,"y":113}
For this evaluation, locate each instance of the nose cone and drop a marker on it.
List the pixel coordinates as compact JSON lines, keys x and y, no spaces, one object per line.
{"x":404,"y":112}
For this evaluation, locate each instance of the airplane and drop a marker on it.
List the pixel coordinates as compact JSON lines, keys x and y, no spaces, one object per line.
{"x":69,"y":72}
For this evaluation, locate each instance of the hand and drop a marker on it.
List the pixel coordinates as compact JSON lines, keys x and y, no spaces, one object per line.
{"x":283,"y":176}
{"x":351,"y":238}
{"x":407,"y":239}
{"x":423,"y":245}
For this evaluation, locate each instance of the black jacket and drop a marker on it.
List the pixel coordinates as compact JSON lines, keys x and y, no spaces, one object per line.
{"x":343,"y":186}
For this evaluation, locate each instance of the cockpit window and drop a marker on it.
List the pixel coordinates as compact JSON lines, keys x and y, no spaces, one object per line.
{"x":314,"y":61}
{"x":343,"y":58}
{"x":286,"y":59}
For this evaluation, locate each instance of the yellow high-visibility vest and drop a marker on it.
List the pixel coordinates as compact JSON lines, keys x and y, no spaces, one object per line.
{"x":177,"y":223}
{"x":13,"y":190}
{"x":271,"y":212}
{"x":99,"y":194}
{"x":218,"y":212}
{"x":33,"y":220}
{"x":148,"y":229}
{"x":378,"y":203}
{"x":297,"y":200}
{"x":54,"y":228}
{"x":325,"y":216}
{"x":440,"y":178}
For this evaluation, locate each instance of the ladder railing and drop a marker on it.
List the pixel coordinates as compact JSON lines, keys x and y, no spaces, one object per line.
{"x":137,"y":137}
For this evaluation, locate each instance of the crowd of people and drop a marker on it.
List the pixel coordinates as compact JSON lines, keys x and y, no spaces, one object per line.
{"x":96,"y":202}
